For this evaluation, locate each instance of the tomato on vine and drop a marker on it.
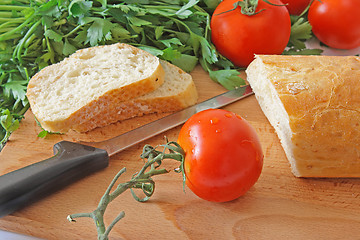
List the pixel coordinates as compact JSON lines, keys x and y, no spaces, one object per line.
{"x":240,"y":29}
{"x":223,"y":155}
{"x":336,"y":23}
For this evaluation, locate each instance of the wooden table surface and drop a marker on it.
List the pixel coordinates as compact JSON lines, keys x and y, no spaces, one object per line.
{"x":278,"y":206}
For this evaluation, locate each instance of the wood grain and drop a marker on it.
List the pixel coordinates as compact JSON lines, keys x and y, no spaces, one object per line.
{"x":279,"y":206}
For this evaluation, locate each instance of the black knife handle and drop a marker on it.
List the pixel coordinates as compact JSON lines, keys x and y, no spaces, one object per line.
{"x":71,"y":161}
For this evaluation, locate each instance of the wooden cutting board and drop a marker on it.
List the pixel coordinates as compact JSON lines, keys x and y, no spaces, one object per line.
{"x":279,"y":206}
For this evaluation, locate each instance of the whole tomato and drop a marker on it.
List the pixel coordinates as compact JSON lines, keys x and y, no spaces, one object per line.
{"x":336,"y":22}
{"x":238,"y":36}
{"x":223,"y":155}
{"x":296,"y":7}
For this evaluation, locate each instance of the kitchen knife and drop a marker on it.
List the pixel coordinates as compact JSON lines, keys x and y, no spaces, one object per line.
{"x":72,"y":161}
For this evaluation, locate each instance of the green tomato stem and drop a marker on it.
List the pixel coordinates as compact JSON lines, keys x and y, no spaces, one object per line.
{"x":139,"y":180}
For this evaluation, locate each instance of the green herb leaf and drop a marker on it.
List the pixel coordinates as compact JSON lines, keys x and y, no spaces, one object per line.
{"x":207,"y":51}
{"x":154,"y":51}
{"x":186,"y":62}
{"x":50,"y":9}
{"x":79,"y":8}
{"x":98,"y":30}
{"x":228,"y":78}
{"x":212,"y":4}
{"x":9,"y":124}
{"x":170,"y":54}
{"x":138,"y":22}
{"x":68,"y":48}
{"x":293,"y":51}
{"x":17,"y":89}
{"x":103,"y":3}
{"x":184,"y":12}
{"x":300,"y":31}
{"x":159,"y":30}
{"x":43,"y":134}
{"x":171,"y":41}
{"x":53,"y":35}
{"x":7,"y":121}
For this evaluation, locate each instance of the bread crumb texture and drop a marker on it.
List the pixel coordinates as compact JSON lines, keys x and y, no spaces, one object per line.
{"x":177,"y":92}
{"x":82,"y":85}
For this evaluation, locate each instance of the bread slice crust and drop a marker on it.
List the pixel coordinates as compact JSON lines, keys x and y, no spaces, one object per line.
{"x":177,"y":92}
{"x":313,"y":102}
{"x":60,"y":113}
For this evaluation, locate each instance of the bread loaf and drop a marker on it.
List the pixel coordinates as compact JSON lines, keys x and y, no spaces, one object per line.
{"x":177,"y":92}
{"x":79,"y":87}
{"x":313,"y":103}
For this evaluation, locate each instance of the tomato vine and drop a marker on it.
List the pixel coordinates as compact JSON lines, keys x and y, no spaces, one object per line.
{"x":140,"y":180}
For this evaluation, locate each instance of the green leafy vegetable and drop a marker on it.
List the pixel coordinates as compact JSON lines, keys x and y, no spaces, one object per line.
{"x":9,"y":124}
{"x":300,"y":32}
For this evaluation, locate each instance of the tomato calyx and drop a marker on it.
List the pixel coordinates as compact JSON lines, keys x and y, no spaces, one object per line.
{"x":248,"y":7}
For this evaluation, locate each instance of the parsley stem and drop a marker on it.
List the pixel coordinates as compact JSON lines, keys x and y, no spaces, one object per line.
{"x":10,"y":37}
{"x":2,"y":30}
{"x":7,"y":135}
{"x":182,"y":23}
{"x":162,"y":7}
{"x":19,"y":28}
{"x":9,"y":2}
{"x":6,"y":14}
{"x":13,"y":8}
{"x":24,"y":109}
{"x":12,"y":20}
{"x":30,"y":40}
{"x":21,"y":44}
{"x":72,"y":31}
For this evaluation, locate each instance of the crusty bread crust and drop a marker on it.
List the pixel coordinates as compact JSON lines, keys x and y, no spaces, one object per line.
{"x":313,"y":102}
{"x":110,"y":98}
{"x":153,"y":102}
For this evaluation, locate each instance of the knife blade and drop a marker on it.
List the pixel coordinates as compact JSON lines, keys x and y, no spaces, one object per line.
{"x":75,"y":160}
{"x":128,"y":139}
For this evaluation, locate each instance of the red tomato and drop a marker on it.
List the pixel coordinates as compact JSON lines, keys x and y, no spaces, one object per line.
{"x":336,"y":22}
{"x":223,"y":155}
{"x":238,"y":37}
{"x":296,"y":7}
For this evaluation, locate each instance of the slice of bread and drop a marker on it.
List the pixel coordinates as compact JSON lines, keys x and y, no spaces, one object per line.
{"x":313,"y":103}
{"x":177,"y":92}
{"x":90,"y":80}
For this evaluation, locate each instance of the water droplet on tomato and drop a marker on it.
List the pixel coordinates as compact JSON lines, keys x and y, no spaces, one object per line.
{"x":214,"y":121}
{"x":229,"y":115}
{"x":217,"y":130}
